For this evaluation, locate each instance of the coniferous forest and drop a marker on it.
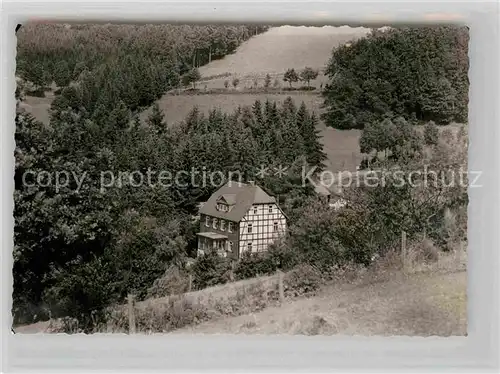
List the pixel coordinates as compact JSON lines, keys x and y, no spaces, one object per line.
{"x":81,"y":247}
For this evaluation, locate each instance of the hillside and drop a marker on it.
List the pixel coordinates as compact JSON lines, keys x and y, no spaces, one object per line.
{"x":283,"y":47}
{"x":422,"y":305}
{"x":108,"y":194}
{"x":273,"y":52}
{"x":428,"y":299}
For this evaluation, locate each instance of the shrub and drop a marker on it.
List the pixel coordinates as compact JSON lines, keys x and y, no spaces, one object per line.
{"x":226,"y":83}
{"x":176,"y":313}
{"x":278,"y":256}
{"x":253,"y":265}
{"x":423,"y":251}
{"x":308,"y":74}
{"x":315,"y":237}
{"x":383,"y":267}
{"x":210,"y":270}
{"x":40,"y":92}
{"x":306,"y":88}
{"x":267,"y":81}
{"x":174,"y":282}
{"x":282,"y":257}
{"x":431,"y":133}
{"x":304,"y":280}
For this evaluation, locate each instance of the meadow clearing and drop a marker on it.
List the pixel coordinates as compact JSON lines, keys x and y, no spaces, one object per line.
{"x":272,"y":52}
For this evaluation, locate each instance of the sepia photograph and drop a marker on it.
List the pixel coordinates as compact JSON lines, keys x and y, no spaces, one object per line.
{"x":241,"y":179}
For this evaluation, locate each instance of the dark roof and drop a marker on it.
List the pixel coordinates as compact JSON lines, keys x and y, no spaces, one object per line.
{"x":244,"y":195}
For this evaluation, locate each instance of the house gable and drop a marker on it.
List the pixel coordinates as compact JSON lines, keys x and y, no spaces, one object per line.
{"x":242,"y":196}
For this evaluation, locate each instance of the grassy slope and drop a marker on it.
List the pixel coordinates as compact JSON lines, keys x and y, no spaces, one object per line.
{"x":420,"y":304}
{"x":428,"y":300}
{"x":283,"y":47}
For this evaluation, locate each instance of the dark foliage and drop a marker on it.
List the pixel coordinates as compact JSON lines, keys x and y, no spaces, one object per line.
{"x":416,"y":73}
{"x":88,"y":243}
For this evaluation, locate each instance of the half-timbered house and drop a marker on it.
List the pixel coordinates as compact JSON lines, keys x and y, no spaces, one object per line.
{"x":240,"y":217}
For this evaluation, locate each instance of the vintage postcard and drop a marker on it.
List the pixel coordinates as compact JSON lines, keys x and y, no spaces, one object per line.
{"x":241,"y":179}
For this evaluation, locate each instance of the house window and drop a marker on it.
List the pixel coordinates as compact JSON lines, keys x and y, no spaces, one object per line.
{"x":230,"y":226}
{"x":215,"y":223}
{"x":207,"y":221}
{"x":249,"y":228}
{"x":230,"y":246}
{"x":249,"y":246}
{"x":270,"y":208}
{"x":222,"y":207}
{"x":222,"y":225}
{"x":255,"y":210}
{"x":275,"y":226}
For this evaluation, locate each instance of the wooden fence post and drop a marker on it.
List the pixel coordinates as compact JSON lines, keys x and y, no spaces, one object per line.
{"x":280,"y":286}
{"x":403,"y":248}
{"x":231,"y":272}
{"x":131,"y":314}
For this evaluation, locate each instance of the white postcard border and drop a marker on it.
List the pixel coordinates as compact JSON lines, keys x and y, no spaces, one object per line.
{"x":477,"y":352}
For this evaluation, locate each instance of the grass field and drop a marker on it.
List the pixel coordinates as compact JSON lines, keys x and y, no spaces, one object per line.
{"x":341,"y":147}
{"x":283,"y":47}
{"x":278,"y":49}
{"x":176,"y":107}
{"x":38,"y":107}
{"x":424,"y":302}
{"x":271,"y":52}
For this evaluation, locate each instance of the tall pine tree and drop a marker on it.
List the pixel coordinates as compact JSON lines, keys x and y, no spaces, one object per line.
{"x":156,"y":120}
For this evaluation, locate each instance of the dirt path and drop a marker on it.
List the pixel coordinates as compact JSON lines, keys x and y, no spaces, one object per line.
{"x":423,"y":305}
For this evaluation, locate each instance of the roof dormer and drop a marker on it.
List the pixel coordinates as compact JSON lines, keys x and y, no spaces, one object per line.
{"x":225,"y":202}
